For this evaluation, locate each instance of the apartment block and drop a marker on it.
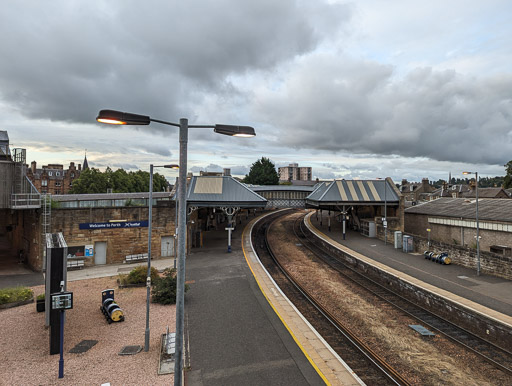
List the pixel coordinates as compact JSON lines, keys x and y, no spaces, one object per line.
{"x":294,"y":172}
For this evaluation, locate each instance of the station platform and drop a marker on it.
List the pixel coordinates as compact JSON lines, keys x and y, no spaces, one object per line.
{"x":239,"y":328}
{"x":486,"y":294}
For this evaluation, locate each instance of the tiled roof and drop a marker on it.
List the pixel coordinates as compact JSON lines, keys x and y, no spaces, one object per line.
{"x":484,"y":193}
{"x":488,"y":209}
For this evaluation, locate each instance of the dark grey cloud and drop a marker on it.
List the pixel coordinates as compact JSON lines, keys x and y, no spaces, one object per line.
{"x":66,"y":60}
{"x":337,"y":104}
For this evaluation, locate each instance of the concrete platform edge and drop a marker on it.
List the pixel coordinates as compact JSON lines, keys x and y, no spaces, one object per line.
{"x":486,"y":312}
{"x":331,"y":377}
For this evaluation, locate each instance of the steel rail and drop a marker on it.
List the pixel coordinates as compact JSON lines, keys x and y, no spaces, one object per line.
{"x":389,"y":372}
{"x":449,"y":324}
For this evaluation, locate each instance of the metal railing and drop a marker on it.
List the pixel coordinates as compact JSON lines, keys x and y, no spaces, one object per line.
{"x":25,"y":200}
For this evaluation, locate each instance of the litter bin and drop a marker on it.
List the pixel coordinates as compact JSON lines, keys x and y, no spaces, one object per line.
{"x":407,"y":244}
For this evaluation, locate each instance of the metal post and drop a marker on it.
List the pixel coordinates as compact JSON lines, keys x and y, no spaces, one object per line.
{"x":61,"y":360}
{"x":229,"y":229}
{"x":176,"y":226}
{"x":385,"y":213}
{"x":344,"y":221}
{"x":182,"y":237}
{"x":477,"y":229}
{"x":148,"y":279}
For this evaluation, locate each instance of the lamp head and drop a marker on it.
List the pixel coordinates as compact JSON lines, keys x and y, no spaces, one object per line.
{"x":172,"y":166}
{"x":235,"y":131}
{"x":114,"y":117}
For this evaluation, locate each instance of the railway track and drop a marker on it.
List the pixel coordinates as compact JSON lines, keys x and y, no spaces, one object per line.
{"x":370,"y":367}
{"x":496,"y":356}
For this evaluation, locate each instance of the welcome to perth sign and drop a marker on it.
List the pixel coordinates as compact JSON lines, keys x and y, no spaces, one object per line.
{"x":114,"y":225}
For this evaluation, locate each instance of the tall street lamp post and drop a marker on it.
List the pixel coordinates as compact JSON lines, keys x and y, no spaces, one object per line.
{"x":477,"y":224}
{"x":385,"y":212}
{"x":150,"y":222}
{"x":121,"y":118}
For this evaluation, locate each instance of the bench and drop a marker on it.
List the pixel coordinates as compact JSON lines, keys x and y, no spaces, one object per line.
{"x":136,"y":258}
{"x":76,"y":263}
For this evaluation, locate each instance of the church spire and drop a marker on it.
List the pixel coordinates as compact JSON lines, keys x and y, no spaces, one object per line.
{"x":86,"y":164}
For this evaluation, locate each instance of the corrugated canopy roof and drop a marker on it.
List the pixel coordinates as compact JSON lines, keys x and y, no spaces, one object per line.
{"x":207,"y":191}
{"x":354,"y":192}
{"x":493,"y":209}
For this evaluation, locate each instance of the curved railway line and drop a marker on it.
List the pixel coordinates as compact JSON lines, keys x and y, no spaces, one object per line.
{"x":368,"y":365}
{"x":494,"y":355}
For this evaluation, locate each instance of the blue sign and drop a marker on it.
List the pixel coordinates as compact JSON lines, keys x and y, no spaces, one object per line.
{"x":114,"y":225}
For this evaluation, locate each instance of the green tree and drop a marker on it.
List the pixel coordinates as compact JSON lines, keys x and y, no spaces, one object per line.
{"x":263,"y":172}
{"x":94,"y":181}
{"x":90,"y":181}
{"x":507,"y":182}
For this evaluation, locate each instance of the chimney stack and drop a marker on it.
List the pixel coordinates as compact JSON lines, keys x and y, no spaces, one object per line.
{"x":33,"y":167}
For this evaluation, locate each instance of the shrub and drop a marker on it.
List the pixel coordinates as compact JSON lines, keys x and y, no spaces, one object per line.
{"x":138,"y":275}
{"x":40,"y":297}
{"x":18,"y":294}
{"x":164,"y":290}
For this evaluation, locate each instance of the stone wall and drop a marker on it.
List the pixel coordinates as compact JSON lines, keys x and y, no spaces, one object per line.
{"x":417,"y":224}
{"x":490,"y":263}
{"x":120,"y":242}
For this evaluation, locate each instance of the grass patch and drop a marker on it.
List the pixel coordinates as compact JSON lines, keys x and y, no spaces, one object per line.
{"x":17,"y":294}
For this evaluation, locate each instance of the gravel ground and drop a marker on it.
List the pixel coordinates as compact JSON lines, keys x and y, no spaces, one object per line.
{"x":25,"y":358}
{"x":434,"y":361}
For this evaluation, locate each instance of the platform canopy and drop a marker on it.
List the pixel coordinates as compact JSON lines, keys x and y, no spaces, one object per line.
{"x":354,"y":192}
{"x":222,"y":191}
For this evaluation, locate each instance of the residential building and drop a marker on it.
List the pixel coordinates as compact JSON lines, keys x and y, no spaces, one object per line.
{"x":415,"y":191}
{"x":53,"y":178}
{"x":467,"y":191}
{"x":294,"y":172}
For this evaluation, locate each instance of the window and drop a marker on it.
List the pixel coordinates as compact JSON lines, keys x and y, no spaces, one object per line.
{"x":72,"y":175}
{"x":44,"y":183}
{"x":57,"y":183}
{"x":57,"y":173}
{"x":50,"y":174}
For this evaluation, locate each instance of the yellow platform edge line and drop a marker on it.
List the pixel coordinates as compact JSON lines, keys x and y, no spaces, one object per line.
{"x":320,"y":373}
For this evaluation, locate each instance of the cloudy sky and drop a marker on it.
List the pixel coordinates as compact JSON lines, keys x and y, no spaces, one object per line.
{"x":361,"y":89}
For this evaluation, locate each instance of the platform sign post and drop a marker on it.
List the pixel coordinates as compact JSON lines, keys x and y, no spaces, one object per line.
{"x":229,"y":229}
{"x":61,"y":301}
